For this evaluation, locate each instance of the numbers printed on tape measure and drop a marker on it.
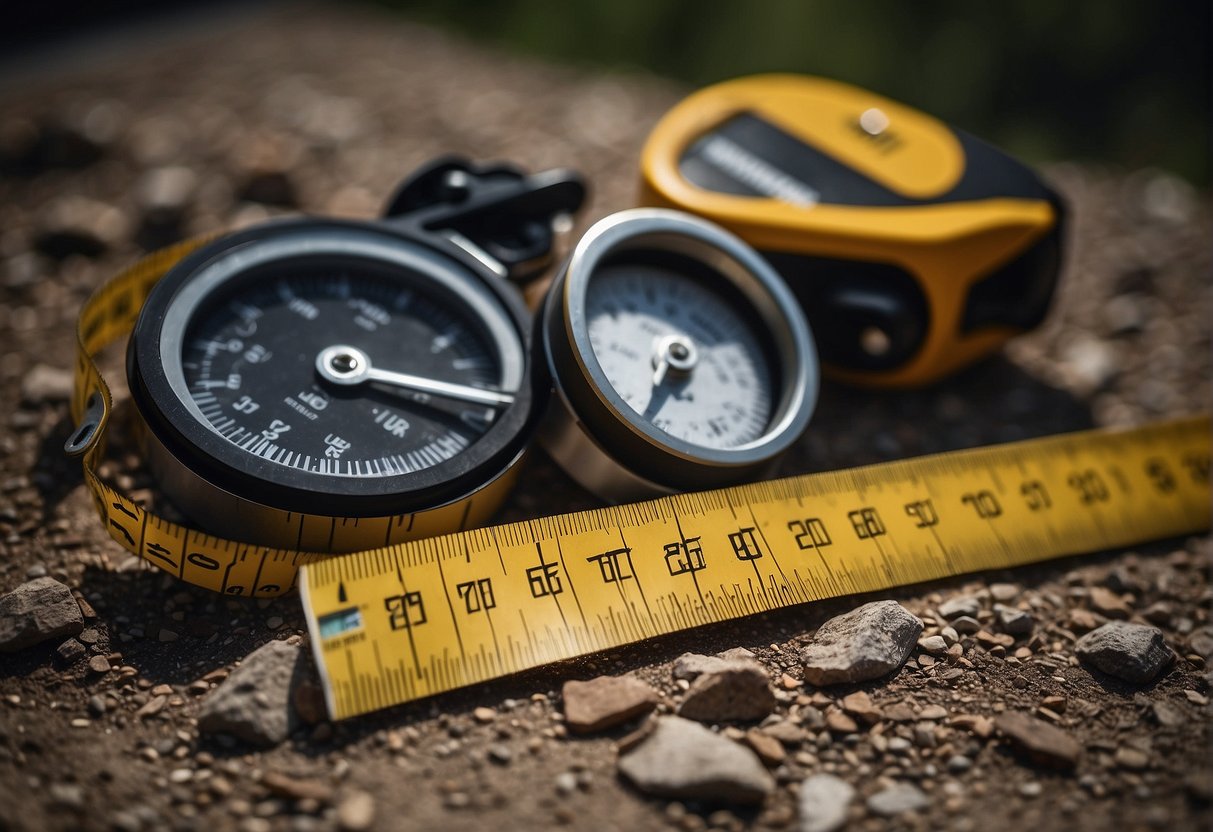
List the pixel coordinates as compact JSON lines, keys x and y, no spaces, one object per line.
{"x":416,"y":619}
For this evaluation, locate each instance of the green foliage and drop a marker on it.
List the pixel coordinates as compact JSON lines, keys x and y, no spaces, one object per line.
{"x":1109,"y":80}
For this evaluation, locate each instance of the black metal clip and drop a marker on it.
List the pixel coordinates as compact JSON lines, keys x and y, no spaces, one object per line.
{"x":497,"y":213}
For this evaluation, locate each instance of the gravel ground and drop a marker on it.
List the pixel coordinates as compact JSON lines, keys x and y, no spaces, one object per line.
{"x":316,"y":111}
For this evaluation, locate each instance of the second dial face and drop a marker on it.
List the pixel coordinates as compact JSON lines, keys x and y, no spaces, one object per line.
{"x":249,"y":360}
{"x":680,"y":354}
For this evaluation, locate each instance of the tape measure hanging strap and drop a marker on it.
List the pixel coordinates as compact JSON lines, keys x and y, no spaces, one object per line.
{"x":204,"y":560}
{"x":396,"y":624}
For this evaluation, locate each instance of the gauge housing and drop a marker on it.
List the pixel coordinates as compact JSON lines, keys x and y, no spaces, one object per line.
{"x":235,"y":493}
{"x":605,"y":444}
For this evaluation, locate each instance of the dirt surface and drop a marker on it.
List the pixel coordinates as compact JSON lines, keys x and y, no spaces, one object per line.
{"x":138,"y":143}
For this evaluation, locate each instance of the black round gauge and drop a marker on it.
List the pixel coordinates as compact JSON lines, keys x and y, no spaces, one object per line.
{"x":339,"y":369}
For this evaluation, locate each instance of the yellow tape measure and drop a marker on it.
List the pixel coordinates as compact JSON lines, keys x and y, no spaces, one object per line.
{"x":395,"y":624}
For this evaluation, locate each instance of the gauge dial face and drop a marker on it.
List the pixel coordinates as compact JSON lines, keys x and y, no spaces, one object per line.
{"x":680,"y":354}
{"x":249,"y":362}
{"x":335,"y":369}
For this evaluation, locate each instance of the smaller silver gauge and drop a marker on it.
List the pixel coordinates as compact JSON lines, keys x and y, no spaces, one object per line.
{"x":680,"y":359}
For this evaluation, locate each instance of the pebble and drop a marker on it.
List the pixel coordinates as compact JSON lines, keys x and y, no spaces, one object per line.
{"x":1031,"y":789}
{"x":933,"y":712}
{"x":154,"y":706}
{"x":356,"y":811}
{"x":824,"y":801}
{"x":840,"y":723}
{"x":604,"y":702}
{"x":38,"y":611}
{"x":1135,"y":653}
{"x":296,"y":788}
{"x":75,"y":224}
{"x":964,"y":605}
{"x":1038,"y":741}
{"x":565,"y":783}
{"x":254,"y":703}
{"x":1004,"y":593}
{"x":1131,"y":758}
{"x":966,"y":625}
{"x":71,"y":651}
{"x":484,"y":715}
{"x":867,"y":643}
{"x":44,"y":384}
{"x":99,"y":664}
{"x":165,"y":192}
{"x":958,"y":764}
{"x":683,"y":759}
{"x":1168,"y":715}
{"x":787,"y":732}
{"x":981,"y":726}
{"x":1014,"y":621}
{"x":1084,"y":620}
{"x":96,"y":706}
{"x":935,"y":645}
{"x":690,"y":666}
{"x":1202,"y":641}
{"x":898,"y":799}
{"x":768,"y":749}
{"x":860,"y":706}
{"x":1108,"y":603}
{"x":739,"y":691}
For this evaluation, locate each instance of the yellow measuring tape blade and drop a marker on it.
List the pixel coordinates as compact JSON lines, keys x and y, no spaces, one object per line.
{"x":226,"y":566}
{"x":419,"y":618}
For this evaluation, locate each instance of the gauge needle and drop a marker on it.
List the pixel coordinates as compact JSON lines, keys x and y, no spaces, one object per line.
{"x":672,"y":354}
{"x":342,"y":364}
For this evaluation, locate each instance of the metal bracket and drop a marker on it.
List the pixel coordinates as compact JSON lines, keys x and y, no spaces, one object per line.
{"x":497,"y":214}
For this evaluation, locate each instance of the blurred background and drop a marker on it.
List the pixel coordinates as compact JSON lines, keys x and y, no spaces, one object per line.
{"x":1122,"y":83}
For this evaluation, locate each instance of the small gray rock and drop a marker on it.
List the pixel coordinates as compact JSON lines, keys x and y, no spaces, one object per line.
{"x":604,"y":702}
{"x":690,"y":666}
{"x":898,"y":798}
{"x":1133,"y":652}
{"x":254,"y":703}
{"x":961,"y":605}
{"x":38,"y":611}
{"x":738,"y":691}
{"x":866,"y":643}
{"x":1014,"y":621}
{"x":1038,"y":741}
{"x":824,"y":801}
{"x":71,"y":651}
{"x":1004,"y":593}
{"x":683,"y":759}
{"x":966,"y":625}
{"x":935,"y":645}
